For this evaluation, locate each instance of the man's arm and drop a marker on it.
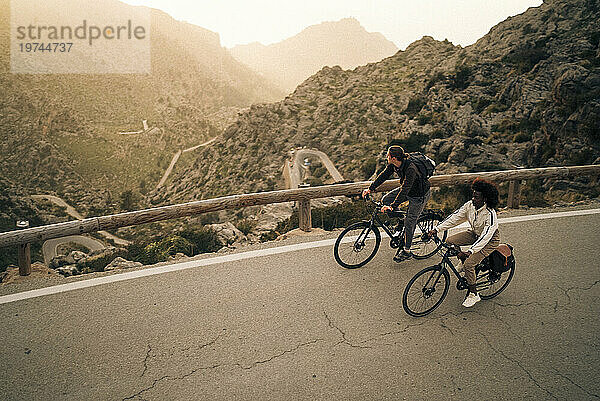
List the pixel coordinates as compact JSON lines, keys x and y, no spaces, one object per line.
{"x":384,"y":175}
{"x":409,"y":180}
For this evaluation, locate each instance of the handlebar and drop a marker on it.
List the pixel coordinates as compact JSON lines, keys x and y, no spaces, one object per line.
{"x":368,"y":198}
{"x":453,"y":250}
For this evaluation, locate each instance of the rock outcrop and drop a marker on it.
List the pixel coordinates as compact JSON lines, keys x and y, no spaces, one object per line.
{"x":527,"y":94}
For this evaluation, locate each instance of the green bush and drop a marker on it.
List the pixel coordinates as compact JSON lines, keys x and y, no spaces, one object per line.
{"x":424,"y":118}
{"x":269,"y":236}
{"x":246,"y":226}
{"x":331,"y":217}
{"x":496,"y":107}
{"x":415,"y":105}
{"x":521,"y":137}
{"x":190,"y":242}
{"x":461,"y":78}
{"x":480,"y":104}
{"x":368,"y":168}
{"x":174,"y":244}
{"x":524,"y":58}
{"x":532,"y":194}
{"x":203,"y":240}
{"x":98,"y":263}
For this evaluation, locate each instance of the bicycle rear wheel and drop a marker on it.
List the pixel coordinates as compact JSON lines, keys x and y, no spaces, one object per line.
{"x":425,"y":248}
{"x":357,"y":245}
{"x":426,"y":291}
{"x":490,"y":283}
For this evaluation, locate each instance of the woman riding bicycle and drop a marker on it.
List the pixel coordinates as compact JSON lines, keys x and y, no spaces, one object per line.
{"x":483,"y":234}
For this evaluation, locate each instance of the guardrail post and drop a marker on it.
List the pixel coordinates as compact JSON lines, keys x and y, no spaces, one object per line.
{"x":304,"y":215}
{"x":514,"y":194}
{"x":24,"y":252}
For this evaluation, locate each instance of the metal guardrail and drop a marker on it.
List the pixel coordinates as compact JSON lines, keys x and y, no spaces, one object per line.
{"x":301,"y":195}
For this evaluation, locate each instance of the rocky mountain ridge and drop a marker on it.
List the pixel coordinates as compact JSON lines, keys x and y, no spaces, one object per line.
{"x":59,"y":132}
{"x":289,"y":62}
{"x":527,"y":94}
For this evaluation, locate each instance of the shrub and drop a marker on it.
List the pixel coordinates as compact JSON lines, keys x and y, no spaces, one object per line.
{"x":532,"y":194}
{"x":128,"y":200}
{"x":174,"y":244}
{"x":246,"y":226}
{"x":434,"y":79}
{"x":368,"y":168}
{"x":331,"y":217}
{"x":203,"y":240}
{"x":415,"y":105}
{"x":424,"y":118}
{"x":480,"y":104}
{"x":521,"y":137}
{"x":524,"y":58}
{"x":460,"y":79}
{"x":97,"y":264}
{"x":496,"y":107}
{"x":269,"y":236}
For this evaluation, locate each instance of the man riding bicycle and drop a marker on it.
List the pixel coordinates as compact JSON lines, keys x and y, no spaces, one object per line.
{"x":415,"y":188}
{"x":483,"y":234}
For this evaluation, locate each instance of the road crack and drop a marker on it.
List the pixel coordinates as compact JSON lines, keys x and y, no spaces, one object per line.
{"x":568,"y":290}
{"x":575,"y":384}
{"x":216,"y":366}
{"x":518,"y":363}
{"x":146,"y":360}
{"x":344,"y":340}
{"x":270,"y":359}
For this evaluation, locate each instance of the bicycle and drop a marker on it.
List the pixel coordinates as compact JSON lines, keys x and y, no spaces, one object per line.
{"x":419,"y":298}
{"x":359,"y":242}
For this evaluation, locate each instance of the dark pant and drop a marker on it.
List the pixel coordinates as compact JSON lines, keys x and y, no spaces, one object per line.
{"x":415,"y":208}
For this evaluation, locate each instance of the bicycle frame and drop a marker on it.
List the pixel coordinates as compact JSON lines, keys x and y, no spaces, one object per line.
{"x":446,"y":262}
{"x":375,"y":219}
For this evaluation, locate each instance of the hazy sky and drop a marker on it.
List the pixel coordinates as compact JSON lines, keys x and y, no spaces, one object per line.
{"x":401,"y":21}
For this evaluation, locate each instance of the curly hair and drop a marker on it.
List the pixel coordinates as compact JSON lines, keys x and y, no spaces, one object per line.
{"x":489,"y":191}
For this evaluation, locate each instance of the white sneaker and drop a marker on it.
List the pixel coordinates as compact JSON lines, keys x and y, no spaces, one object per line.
{"x":471,"y":300}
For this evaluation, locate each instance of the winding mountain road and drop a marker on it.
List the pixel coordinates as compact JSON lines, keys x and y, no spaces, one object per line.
{"x":49,"y":247}
{"x":176,"y":158}
{"x":293,"y":175}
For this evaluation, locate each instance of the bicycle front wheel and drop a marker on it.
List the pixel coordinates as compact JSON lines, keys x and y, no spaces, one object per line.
{"x":425,"y":248}
{"x":491,"y":283}
{"x":426,"y":291}
{"x":357,"y":245}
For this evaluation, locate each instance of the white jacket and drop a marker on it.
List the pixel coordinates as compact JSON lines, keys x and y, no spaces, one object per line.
{"x":483,"y":222}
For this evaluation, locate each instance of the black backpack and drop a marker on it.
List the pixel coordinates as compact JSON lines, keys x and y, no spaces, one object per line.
{"x":424,"y":164}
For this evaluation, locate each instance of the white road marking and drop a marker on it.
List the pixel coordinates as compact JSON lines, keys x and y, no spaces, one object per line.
{"x":232,"y":258}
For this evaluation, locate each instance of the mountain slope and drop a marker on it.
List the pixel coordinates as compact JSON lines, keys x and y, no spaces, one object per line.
{"x":59,"y":132}
{"x":345,"y":43}
{"x":526,"y":94}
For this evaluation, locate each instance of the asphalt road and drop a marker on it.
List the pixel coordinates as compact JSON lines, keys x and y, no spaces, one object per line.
{"x":297,"y":326}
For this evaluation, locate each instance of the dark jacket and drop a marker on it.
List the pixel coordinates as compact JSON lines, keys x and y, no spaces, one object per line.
{"x":413,"y":185}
